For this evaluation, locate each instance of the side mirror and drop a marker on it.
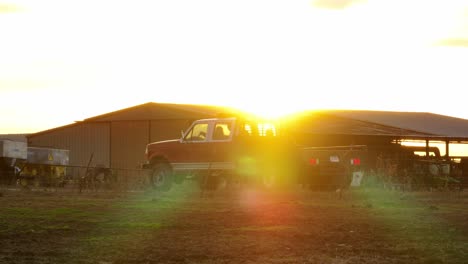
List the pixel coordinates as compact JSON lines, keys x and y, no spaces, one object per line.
{"x":181,"y":135}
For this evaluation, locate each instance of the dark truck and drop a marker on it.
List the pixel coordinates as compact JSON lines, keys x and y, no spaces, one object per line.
{"x":44,"y":167}
{"x":333,"y":167}
{"x":228,"y":150}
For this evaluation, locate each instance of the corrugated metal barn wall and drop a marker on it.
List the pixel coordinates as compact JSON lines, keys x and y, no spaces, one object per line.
{"x":168,"y":129}
{"x":82,"y":139}
{"x":128,"y":142}
{"x":116,"y":144}
{"x":129,"y":139}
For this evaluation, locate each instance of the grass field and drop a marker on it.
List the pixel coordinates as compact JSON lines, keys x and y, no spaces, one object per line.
{"x":233,"y":226}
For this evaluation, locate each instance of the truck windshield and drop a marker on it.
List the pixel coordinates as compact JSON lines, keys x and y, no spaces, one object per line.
{"x":197,"y":133}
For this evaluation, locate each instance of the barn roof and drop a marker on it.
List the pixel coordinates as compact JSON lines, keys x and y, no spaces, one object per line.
{"x":331,"y":123}
{"x":338,"y":122}
{"x":427,"y":123}
{"x":409,"y":125}
{"x":153,"y":111}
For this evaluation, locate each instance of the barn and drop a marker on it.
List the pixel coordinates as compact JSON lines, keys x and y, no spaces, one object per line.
{"x":118,"y":139}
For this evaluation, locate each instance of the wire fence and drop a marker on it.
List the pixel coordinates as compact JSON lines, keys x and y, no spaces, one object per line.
{"x":417,"y":174}
{"x":77,"y":178}
{"x":408,"y":175}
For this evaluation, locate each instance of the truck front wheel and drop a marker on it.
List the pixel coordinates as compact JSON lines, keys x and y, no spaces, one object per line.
{"x":161,"y":177}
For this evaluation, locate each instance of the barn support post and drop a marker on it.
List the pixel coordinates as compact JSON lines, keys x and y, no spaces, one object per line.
{"x":427,"y":148}
{"x":149,"y":131}
{"x":447,"y":144}
{"x":110,"y":144}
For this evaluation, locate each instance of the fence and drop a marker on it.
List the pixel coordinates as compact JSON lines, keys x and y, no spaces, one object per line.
{"x":78,"y":178}
{"x":390,"y":173}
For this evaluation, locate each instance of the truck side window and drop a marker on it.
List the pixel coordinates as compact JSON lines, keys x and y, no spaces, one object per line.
{"x":197,"y":133}
{"x":258,"y":130}
{"x":266,"y":130}
{"x":248,"y":130}
{"x":222,"y":131}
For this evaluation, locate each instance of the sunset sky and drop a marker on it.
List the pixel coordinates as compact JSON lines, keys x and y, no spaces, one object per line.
{"x":64,"y":61}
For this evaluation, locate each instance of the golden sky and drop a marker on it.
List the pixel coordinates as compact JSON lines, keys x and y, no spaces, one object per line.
{"x":63,"y":61}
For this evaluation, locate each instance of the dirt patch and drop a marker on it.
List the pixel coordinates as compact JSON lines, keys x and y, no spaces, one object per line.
{"x":233,"y":226}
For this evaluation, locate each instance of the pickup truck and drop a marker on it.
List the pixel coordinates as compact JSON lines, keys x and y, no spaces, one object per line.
{"x":228,"y":150}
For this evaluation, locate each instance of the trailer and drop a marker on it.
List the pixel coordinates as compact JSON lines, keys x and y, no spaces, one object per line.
{"x":334,"y":167}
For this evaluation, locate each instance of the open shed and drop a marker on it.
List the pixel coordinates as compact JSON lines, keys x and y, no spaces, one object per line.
{"x":384,"y":132}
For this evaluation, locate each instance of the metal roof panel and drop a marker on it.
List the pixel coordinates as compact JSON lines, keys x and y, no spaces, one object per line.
{"x":423,"y":122}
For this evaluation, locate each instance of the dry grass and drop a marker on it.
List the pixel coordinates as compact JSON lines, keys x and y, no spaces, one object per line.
{"x":235,"y":226}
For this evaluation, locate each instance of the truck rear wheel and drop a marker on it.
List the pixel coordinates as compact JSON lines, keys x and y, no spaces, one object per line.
{"x":269,"y":180}
{"x":277,"y":176}
{"x":161,"y":177}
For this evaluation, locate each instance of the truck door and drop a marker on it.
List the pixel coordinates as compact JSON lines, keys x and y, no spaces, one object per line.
{"x":198,"y":147}
{"x":221,"y":141}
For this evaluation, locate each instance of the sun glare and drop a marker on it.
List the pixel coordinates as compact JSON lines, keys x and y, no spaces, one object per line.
{"x":271,"y":110}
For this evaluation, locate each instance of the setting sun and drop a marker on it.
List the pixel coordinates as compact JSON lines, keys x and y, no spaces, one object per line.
{"x":280,"y":58}
{"x":271,"y":108}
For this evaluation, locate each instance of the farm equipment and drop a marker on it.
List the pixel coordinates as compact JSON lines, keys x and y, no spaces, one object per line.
{"x":96,"y":177}
{"x":405,"y":167}
{"x":11,"y":152}
{"x":45,"y":167}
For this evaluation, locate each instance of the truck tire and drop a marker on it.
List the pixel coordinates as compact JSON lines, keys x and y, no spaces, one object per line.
{"x":276,"y":180}
{"x":268,"y":177}
{"x":277,"y":175}
{"x":269,"y":180}
{"x":161,"y":177}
